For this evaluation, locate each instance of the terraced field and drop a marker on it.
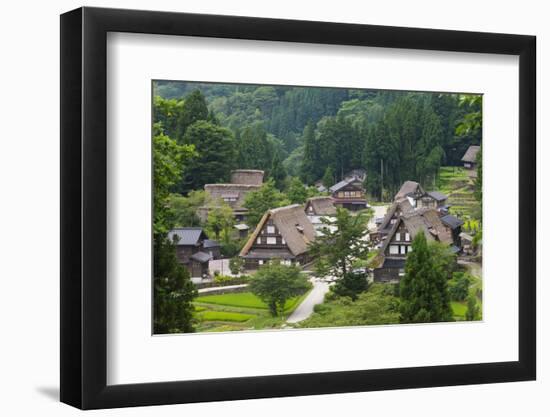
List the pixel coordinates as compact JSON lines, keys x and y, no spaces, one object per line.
{"x":455,"y":182}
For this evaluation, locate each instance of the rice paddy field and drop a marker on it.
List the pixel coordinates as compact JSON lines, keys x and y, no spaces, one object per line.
{"x":459,"y":186}
{"x":238,"y":311}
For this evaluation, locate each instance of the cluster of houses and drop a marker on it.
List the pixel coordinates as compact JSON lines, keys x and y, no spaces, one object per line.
{"x":285,"y":233}
{"x":413,"y":211}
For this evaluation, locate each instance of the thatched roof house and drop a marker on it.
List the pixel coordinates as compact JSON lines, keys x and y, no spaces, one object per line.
{"x":320,"y":206}
{"x":247,"y":176}
{"x":397,"y":244}
{"x":471,"y":154}
{"x":283,"y":233}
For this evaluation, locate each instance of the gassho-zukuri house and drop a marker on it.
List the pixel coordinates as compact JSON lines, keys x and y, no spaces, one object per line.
{"x":283,"y":233}
{"x":243,"y":181}
{"x":390,"y":261}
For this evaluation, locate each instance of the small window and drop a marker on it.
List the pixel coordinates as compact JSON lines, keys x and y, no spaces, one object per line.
{"x":410,"y":248}
{"x":259,"y":241}
{"x":403,"y":250}
{"x":392,"y":221}
{"x":271,"y":229}
{"x":283,"y":241}
{"x":260,"y":262}
{"x":407,"y":237}
{"x":398,"y":236}
{"x":271,"y":240}
{"x":394,"y":249}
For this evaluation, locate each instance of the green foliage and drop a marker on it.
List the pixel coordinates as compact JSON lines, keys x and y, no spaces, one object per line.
{"x":376,"y":306}
{"x":471,"y":121}
{"x":236,"y":265}
{"x":309,"y":169}
{"x":168,"y":158}
{"x":258,"y":202}
{"x":473,"y":310}
{"x":225,"y":316}
{"x":328,"y":178}
{"x":245,"y":300}
{"x":275,"y":283}
{"x":194,"y":109}
{"x":167,"y":112}
{"x":216,"y":155}
{"x":173,"y":291}
{"x":297,"y":192}
{"x":220,"y":221}
{"x":341,"y":244}
{"x":351,"y":285}
{"x":478,"y":182}
{"x":278,"y":171}
{"x":424,"y":293}
{"x":459,"y":286}
{"x":183,"y":210}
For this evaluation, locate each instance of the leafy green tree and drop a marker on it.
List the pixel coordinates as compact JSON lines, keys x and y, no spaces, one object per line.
{"x":194,"y":109}
{"x":278,"y":171}
{"x":458,"y":286}
{"x":342,"y":242}
{"x":183,"y":210}
{"x":221,"y":221}
{"x":297,"y":192}
{"x":167,"y":112}
{"x":275,"y":283}
{"x":216,"y":151}
{"x":472,"y":311}
{"x":328,"y":178}
{"x":309,"y":168}
{"x":168,"y":159}
{"x":424,"y":293}
{"x":258,"y":202}
{"x":351,"y":285}
{"x":173,"y":289}
{"x":236,"y":265}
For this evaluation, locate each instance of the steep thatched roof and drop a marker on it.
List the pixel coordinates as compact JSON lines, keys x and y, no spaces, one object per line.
{"x":247,"y":176}
{"x":401,"y":206}
{"x":293,"y":225}
{"x":422,"y":220}
{"x":229,"y":192}
{"x":408,"y":187}
{"x":471,"y":154}
{"x":322,"y":206}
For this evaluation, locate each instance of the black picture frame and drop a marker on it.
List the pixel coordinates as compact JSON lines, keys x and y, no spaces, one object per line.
{"x":84,"y":207}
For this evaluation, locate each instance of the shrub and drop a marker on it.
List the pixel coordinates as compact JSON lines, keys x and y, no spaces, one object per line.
{"x":459,"y":285}
{"x":351,"y":285}
{"x":236,"y":265}
{"x":223,"y":279}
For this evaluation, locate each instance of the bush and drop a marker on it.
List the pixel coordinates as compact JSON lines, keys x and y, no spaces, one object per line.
{"x":351,"y":285}
{"x":236,"y":265}
{"x":459,"y":285}
{"x":222,"y":279}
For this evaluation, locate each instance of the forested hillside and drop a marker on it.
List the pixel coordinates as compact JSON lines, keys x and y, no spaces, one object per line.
{"x":313,"y":133}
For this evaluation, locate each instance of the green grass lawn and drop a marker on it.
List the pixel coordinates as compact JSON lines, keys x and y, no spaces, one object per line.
{"x":459,"y":310}
{"x":243,"y":300}
{"x":239,"y":311}
{"x":210,"y":315}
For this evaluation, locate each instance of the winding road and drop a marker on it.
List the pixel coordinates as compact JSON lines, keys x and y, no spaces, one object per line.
{"x":316,"y":296}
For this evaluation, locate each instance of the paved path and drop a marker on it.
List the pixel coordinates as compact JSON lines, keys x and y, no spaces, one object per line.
{"x":316,"y":296}
{"x":227,"y":287}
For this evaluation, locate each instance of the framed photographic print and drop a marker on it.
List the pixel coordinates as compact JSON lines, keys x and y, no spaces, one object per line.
{"x":257,"y":208}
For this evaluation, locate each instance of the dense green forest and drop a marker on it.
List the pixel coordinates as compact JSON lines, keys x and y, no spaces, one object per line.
{"x":314,"y":133}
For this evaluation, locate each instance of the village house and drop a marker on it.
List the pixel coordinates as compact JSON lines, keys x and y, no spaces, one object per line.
{"x":397,"y":243}
{"x":470,"y":159}
{"x":317,"y":209}
{"x":283,"y":233}
{"x":349,"y":194}
{"x":242,"y":230}
{"x":194,"y":249}
{"x":397,"y":208}
{"x":418,"y":198}
{"x":243,"y":181}
{"x":454,"y":225}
